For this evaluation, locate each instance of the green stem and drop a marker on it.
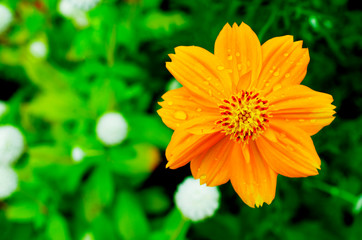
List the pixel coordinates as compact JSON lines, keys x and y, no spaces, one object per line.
{"x":183,"y":226}
{"x":335,"y":191}
{"x":111,"y":47}
{"x":268,"y":24}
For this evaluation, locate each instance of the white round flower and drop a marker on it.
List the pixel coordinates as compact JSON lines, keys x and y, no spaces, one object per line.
{"x":111,"y":128}
{"x":3,"y":108}
{"x":6,"y":17}
{"x":77,"y":154}
{"x":196,"y":201}
{"x":88,"y":236}
{"x":38,"y":49}
{"x":11,"y":144}
{"x":66,"y":8}
{"x":81,"y":20}
{"x":173,"y":84}
{"x":84,"y":5}
{"x":8,"y":181}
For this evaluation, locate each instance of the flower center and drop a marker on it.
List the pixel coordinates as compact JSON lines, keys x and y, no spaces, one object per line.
{"x":244,"y":116}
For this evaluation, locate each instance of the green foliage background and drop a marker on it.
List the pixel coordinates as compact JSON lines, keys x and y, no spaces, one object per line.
{"x":117,"y":63}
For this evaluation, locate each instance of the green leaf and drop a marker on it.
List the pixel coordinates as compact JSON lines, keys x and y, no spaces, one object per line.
{"x":154,"y":200}
{"x":23,"y":211}
{"x":102,"y":181}
{"x":131,"y":221}
{"x":175,"y":227}
{"x":57,"y":228}
{"x":138,"y":159}
{"x":146,"y":128}
{"x":102,"y":228}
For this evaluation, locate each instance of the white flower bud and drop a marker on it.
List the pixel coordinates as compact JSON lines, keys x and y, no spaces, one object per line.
{"x":11,"y":144}
{"x":38,"y":49}
{"x":111,"y":128}
{"x":84,"y":5}
{"x":6,"y":17}
{"x":196,"y":201}
{"x":8,"y":181}
{"x":77,"y":154}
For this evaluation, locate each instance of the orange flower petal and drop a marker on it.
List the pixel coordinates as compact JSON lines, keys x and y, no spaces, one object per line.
{"x":185,"y":146}
{"x":239,"y":49}
{"x":212,"y":167}
{"x":303,"y":107}
{"x":251,"y":177}
{"x":288,"y":150}
{"x":199,"y":71}
{"x":284,"y":63}
{"x":179,"y":108}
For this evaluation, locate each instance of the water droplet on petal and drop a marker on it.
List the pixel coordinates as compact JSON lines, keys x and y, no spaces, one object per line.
{"x":239,"y":66}
{"x":276,"y":73}
{"x":230,"y":58}
{"x":237,"y":54}
{"x":203,"y":176}
{"x":220,"y":68}
{"x":199,"y":109}
{"x":277,"y":87}
{"x":180,"y":115}
{"x":287,"y":75}
{"x":170,"y":103}
{"x":210,"y":93}
{"x":286,"y":54}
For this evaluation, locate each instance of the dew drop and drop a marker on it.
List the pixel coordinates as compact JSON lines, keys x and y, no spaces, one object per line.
{"x":276,"y":74}
{"x":239,"y":66}
{"x":203,"y":176}
{"x":220,"y":68}
{"x":170,"y":103}
{"x":277,"y":87}
{"x":267,"y":84}
{"x":229,"y":50}
{"x":230,"y":58}
{"x":237,"y":54}
{"x":210,"y":93}
{"x":286,"y":54}
{"x":274,"y":67}
{"x":199,"y":109}
{"x":287,"y":75}
{"x":180,"y":115}
{"x":177,"y":124}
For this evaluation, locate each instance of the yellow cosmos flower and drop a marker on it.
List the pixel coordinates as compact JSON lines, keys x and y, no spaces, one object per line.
{"x":242,"y":114}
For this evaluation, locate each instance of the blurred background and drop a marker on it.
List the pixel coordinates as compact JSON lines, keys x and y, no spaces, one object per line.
{"x":81,"y":145}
